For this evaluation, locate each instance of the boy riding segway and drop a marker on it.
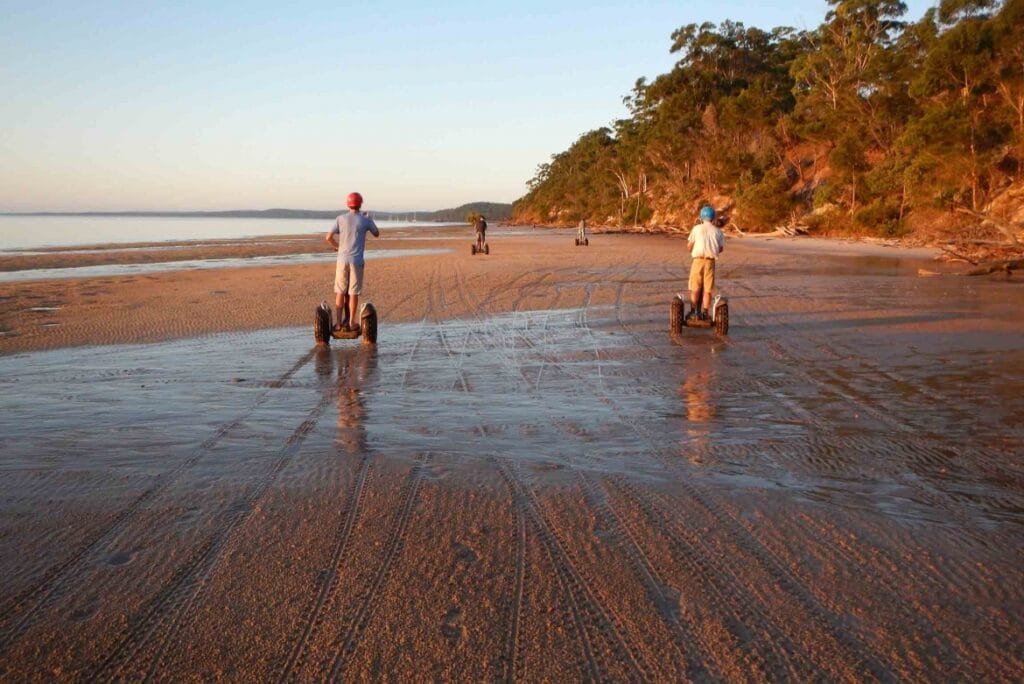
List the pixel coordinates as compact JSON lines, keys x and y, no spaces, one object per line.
{"x":707,"y":310}
{"x":706,"y":242}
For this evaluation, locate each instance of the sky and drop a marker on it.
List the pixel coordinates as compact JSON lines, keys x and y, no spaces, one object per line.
{"x":203,"y":106}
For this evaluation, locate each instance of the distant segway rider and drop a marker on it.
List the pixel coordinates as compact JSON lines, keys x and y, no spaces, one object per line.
{"x":706,"y":242}
{"x":481,"y":231}
{"x":348,"y":238}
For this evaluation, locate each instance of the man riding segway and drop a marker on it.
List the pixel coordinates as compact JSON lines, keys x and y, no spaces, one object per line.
{"x":348,"y":238}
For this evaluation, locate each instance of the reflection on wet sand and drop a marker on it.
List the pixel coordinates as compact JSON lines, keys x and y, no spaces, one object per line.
{"x":351,"y":368}
{"x":697,"y":396}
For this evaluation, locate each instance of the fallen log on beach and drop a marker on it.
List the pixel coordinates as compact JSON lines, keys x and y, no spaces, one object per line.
{"x":1009,"y":232}
{"x":994,"y":266}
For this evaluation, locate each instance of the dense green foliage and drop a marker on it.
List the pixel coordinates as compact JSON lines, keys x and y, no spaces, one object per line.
{"x":865,"y":120}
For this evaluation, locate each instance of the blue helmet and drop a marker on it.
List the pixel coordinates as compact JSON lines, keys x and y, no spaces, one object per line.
{"x":707,"y":213}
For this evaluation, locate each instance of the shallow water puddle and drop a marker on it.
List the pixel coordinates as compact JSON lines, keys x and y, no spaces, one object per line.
{"x":554,"y":390}
{"x":193,"y":264}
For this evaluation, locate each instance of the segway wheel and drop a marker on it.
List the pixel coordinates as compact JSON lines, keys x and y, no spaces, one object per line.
{"x":322,"y":325}
{"x":472,"y":249}
{"x":368,"y":324}
{"x":675,"y":318}
{"x":722,"y":319}
{"x":487,"y":248}
{"x":577,"y":242}
{"x":586,"y":242}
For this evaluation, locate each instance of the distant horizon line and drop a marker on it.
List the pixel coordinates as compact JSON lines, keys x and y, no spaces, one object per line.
{"x":276,"y":212}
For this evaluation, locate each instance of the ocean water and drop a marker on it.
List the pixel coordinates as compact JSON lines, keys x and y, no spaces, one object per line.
{"x":32,"y":232}
{"x":107,"y":270}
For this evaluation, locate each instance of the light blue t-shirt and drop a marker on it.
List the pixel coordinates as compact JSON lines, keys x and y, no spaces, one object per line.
{"x":351,"y":229}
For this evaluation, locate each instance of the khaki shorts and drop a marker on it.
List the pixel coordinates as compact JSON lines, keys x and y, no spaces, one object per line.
{"x":348,"y":279}
{"x":702,"y":275}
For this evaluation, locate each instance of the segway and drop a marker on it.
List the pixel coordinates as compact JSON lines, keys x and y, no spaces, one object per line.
{"x":684,"y":315}
{"x":323,"y":326}
{"x":581,"y":238}
{"x":480,"y":246}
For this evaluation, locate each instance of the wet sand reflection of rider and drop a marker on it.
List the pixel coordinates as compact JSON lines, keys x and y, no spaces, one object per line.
{"x":356,"y":368}
{"x":696,"y":392}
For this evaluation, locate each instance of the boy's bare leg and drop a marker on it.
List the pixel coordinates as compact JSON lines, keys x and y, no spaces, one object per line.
{"x":707,"y":302}
{"x":353,"y":306}
{"x":695,"y":298}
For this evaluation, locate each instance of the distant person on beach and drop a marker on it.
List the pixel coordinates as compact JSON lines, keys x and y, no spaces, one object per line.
{"x":348,"y":238}
{"x":481,"y":230}
{"x":705,"y":243}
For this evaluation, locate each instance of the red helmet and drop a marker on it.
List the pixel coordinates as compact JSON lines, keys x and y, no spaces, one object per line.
{"x":354,"y":201}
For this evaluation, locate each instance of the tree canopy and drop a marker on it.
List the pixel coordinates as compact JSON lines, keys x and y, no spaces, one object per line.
{"x":864,"y":122}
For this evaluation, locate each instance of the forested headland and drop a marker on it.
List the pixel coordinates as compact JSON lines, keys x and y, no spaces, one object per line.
{"x":869,"y":124}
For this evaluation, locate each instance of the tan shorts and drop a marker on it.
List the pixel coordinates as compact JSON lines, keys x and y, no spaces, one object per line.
{"x":702,"y":275}
{"x":348,"y":279}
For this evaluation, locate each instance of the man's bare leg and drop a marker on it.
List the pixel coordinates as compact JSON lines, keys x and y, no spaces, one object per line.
{"x":707,"y":303}
{"x":353,"y":307}
{"x":695,"y":298}
{"x":340,"y":310}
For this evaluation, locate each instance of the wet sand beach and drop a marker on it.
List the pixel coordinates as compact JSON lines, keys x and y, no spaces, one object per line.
{"x":526,"y":479}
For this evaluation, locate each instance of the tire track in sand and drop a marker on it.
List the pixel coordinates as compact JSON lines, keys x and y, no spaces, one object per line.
{"x":588,"y":612}
{"x":594,"y":620}
{"x":860,"y":651}
{"x":683,"y":638}
{"x":514,"y":667}
{"x":167,"y":611}
{"x":325,"y":596}
{"x":34,"y":598}
{"x":870,"y":573}
{"x":347,"y":644}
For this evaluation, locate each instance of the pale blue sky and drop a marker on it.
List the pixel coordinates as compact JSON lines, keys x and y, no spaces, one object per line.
{"x":140,"y":105}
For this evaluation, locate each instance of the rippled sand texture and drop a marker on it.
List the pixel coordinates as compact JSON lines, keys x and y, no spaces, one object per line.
{"x":561,"y":492}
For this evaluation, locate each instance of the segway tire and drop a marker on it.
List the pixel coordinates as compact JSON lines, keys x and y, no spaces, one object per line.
{"x":472,"y":249}
{"x":487,"y":248}
{"x":586,"y":242}
{"x":722,"y":319}
{"x":322,"y":325}
{"x":675,"y":318}
{"x":368,"y":325}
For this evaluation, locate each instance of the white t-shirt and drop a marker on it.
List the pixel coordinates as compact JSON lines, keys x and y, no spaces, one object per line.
{"x":706,"y":240}
{"x":351,"y":229}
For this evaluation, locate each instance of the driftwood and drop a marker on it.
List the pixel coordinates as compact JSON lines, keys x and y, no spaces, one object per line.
{"x":1008,"y":231}
{"x":790,"y":231}
{"x":994,"y":266}
{"x":959,"y":256}
{"x":780,"y":231}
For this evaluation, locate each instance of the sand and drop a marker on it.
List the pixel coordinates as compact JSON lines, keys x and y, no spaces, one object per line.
{"x":527,"y":478}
